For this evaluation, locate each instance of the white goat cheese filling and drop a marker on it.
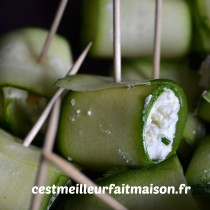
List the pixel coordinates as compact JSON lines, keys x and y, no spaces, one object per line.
{"x":160,"y":125}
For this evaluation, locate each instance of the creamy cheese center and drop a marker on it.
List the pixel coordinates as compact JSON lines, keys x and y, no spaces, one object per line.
{"x":160,"y":125}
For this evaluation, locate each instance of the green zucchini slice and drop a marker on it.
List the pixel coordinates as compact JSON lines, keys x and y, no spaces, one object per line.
{"x":18,"y":169}
{"x":145,"y":189}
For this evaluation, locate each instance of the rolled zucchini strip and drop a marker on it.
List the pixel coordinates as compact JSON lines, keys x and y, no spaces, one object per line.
{"x":19,"y":51}
{"x":27,"y":84}
{"x":137,"y":27}
{"x":18,"y":169}
{"x":203,"y":110}
{"x":104,"y":125}
{"x":21,"y":110}
{"x":198,"y":172}
{"x":144,"y":189}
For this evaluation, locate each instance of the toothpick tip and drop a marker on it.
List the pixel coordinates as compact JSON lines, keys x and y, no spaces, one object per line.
{"x":52,"y":32}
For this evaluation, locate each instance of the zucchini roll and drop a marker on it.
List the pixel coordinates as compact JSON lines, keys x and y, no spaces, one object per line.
{"x":18,"y":169}
{"x":105,"y":124}
{"x":137,"y":27}
{"x":142,"y":189}
{"x":25,"y":83}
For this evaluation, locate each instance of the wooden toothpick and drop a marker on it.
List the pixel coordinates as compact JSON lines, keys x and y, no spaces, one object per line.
{"x":48,"y":146}
{"x":117,"y":41}
{"x":77,"y":176}
{"x":157,"y":40}
{"x":35,"y":129}
{"x":52,"y":31}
